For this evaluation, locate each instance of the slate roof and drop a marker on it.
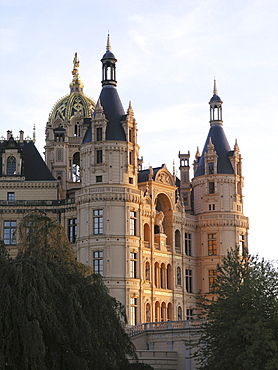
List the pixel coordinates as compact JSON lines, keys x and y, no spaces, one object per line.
{"x":222,"y":148}
{"x":114,"y":112}
{"x":34,"y":167}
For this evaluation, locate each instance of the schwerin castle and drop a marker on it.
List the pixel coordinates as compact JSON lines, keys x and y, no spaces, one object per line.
{"x":154,"y":237}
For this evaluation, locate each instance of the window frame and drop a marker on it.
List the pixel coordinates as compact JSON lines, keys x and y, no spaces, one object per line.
{"x":98,"y":267}
{"x":9,"y":232}
{"x":98,"y":221}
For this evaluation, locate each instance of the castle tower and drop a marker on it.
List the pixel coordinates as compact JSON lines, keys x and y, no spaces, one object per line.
{"x":218,"y":200}
{"x":65,"y":129}
{"x":109,"y":200}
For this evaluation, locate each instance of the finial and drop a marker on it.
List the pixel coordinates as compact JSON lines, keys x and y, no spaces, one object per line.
{"x":34,"y":133}
{"x":215,"y":91}
{"x":108,"y":46}
{"x":76,"y":84}
{"x":174,"y":168}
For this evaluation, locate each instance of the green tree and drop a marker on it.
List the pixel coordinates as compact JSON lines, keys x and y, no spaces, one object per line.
{"x":240,"y":330}
{"x":53,"y":315}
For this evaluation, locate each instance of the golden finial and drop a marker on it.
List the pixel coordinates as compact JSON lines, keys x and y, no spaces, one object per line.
{"x":76,"y":84}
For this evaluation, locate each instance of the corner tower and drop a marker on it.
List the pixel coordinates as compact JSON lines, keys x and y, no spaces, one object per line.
{"x":218,"y":199}
{"x":109,"y":199}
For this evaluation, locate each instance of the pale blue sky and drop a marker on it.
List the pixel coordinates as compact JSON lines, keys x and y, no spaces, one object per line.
{"x":168,"y":54}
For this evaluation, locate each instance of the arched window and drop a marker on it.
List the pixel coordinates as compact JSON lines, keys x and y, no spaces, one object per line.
{"x":169,"y":277}
{"x":169,"y":312}
{"x":178,"y":275}
{"x":147,"y":235}
{"x":179,"y":313}
{"x":156,"y":275}
{"x":147,"y":271}
{"x":178,"y":241}
{"x":163,"y":276}
{"x":157,"y":311}
{"x":76,"y":167}
{"x":163,"y":312}
{"x":148,"y":312}
{"x":11,"y":165}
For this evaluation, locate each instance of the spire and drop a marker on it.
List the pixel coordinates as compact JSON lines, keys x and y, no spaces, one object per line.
{"x":108,"y":46}
{"x":215,"y":91}
{"x":76,"y":85}
{"x":34,"y":133}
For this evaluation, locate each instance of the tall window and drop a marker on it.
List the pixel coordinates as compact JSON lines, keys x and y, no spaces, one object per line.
{"x":188,"y":280}
{"x":10,"y":232}
{"x":133,"y":311}
{"x":76,"y":167}
{"x":189,"y":314}
{"x":187,"y":241}
{"x":179,"y":313}
{"x":133,"y":260}
{"x":99,"y":133}
{"x":241,"y":243}
{"x":72,"y":229}
{"x":211,"y":187}
{"x":11,"y":165}
{"x":212,"y":249}
{"x":99,"y":156}
{"x":212,"y":280}
{"x":98,"y":221}
{"x":178,"y":241}
{"x":132,"y":223}
{"x":178,"y":276}
{"x":98,"y":262}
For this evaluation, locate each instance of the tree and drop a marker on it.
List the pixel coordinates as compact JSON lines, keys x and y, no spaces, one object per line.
{"x":53,"y":315}
{"x":240,"y":330}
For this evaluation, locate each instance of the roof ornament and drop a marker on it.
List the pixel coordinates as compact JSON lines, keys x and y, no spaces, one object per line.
{"x":34,"y":133}
{"x":76,"y":84}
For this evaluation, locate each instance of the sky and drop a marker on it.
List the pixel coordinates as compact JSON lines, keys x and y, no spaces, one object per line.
{"x":168,"y":52}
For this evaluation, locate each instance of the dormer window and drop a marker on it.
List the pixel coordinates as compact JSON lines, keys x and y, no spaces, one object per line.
{"x":211,"y":167}
{"x":11,"y":165}
{"x":99,"y":133}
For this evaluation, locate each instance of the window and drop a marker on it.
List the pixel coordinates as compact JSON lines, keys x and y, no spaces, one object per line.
{"x":147,"y":271}
{"x":178,"y":241}
{"x":99,"y":156}
{"x":189,"y":314}
{"x":133,"y":261}
{"x":241,"y":243}
{"x":98,"y":262}
{"x":77,"y":129}
{"x":10,"y":196}
{"x":188,"y":280}
{"x":98,"y":221}
{"x":98,"y":178}
{"x":148,"y":312}
{"x":76,"y":167}
{"x":132,"y":224}
{"x":178,"y":276}
{"x":212,"y":280}
{"x":187,"y":241}
{"x":210,"y":167}
{"x":59,"y":155}
{"x":133,"y":310}
{"x":72,"y":229}
{"x":10,"y":232}
{"x":11,"y":165}
{"x":211,"y":187}
{"x":99,"y":133}
{"x":212,"y":249}
{"x":211,"y":207}
{"x":179,"y":313}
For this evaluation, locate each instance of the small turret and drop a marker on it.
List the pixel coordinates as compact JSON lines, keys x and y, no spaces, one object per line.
{"x":215,"y":107}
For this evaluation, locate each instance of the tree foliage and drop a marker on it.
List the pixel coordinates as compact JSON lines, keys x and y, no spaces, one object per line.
{"x":241,"y":320}
{"x":53,"y":315}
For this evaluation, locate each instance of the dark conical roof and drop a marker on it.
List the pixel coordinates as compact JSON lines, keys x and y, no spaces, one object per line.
{"x":222,"y":148}
{"x":114,"y":112}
